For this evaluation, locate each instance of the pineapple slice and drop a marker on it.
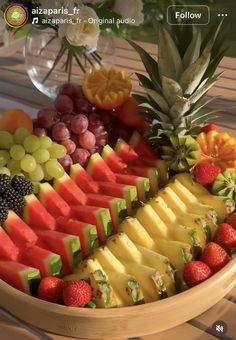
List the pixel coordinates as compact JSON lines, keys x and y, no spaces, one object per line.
{"x":163,"y":265}
{"x":127,"y":287}
{"x":151,"y":221}
{"x":137,"y":233}
{"x":222,"y":205}
{"x":123,"y":248}
{"x":191,"y":185}
{"x":108,"y":260}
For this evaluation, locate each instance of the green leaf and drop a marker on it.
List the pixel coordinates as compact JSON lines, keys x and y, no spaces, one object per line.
{"x":171,"y":90}
{"x":214,"y":63}
{"x":156,"y":97}
{"x":145,"y":81}
{"x":163,"y":117}
{"x":203,"y":116}
{"x":193,"y":51}
{"x":211,"y":36}
{"x":180,"y":107}
{"x":170,"y":64}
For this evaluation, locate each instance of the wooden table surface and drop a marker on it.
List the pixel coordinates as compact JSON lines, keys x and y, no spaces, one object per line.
{"x":15,"y":85}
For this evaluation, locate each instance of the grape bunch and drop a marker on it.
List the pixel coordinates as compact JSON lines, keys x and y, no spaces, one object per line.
{"x":34,"y":157}
{"x":76,"y":124}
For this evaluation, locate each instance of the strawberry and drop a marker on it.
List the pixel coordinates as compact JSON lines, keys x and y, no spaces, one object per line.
{"x":76,"y":293}
{"x":209,"y":127}
{"x":232,"y":220}
{"x":50,"y":289}
{"x":196,"y":272}
{"x":214,"y":256}
{"x":206,"y":172}
{"x":225,"y":236}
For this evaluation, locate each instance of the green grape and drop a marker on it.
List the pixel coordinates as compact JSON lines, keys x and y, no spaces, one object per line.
{"x":20,"y":135}
{"x":57,"y":151}
{"x":5,"y":171}
{"x":47,"y":177}
{"x":35,"y":187}
{"x":41,"y":155}
{"x":4,"y":157}
{"x":31,"y":143}
{"x":6,"y":140}
{"x":17,"y":152}
{"x":28,"y":163}
{"x":14,"y":166}
{"x":54,"y":168}
{"x":37,"y":175}
{"x":45,"y":142}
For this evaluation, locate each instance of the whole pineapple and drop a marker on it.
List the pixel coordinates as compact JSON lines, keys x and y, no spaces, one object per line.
{"x":175,"y":90}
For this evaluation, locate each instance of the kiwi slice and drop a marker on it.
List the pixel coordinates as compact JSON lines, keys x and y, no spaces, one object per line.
{"x":225,"y":185}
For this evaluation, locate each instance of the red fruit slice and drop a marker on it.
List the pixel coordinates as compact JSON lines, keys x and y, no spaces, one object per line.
{"x":98,"y":169}
{"x":142,"y":184}
{"x":48,"y":263}
{"x":83,"y":179}
{"x":67,"y":246}
{"x":52,"y":201}
{"x":69,"y":191}
{"x":114,"y":162}
{"x":160,"y":164}
{"x":128,"y":192}
{"x":145,"y":171}
{"x":8,"y":250}
{"x":19,"y":275}
{"x":126,"y":152}
{"x":18,"y":230}
{"x":98,"y":216}
{"x":116,"y":206}
{"x":141,"y":146}
{"x":87,"y":233}
{"x":35,"y":214}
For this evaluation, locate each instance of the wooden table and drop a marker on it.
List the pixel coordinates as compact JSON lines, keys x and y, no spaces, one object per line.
{"x":15,"y":85}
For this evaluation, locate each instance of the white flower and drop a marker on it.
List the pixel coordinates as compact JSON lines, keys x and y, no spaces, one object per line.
{"x":85,"y":28}
{"x":130,"y":9}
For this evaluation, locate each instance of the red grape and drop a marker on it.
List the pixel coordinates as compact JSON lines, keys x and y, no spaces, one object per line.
{"x":47,"y":118}
{"x":87,"y":140}
{"x":35,"y":123}
{"x":69,"y":145}
{"x":40,"y":132}
{"x":69,"y":90}
{"x":79,"y":124}
{"x":82,"y":106}
{"x":96,"y":127}
{"x":60,"y":132}
{"x":66,"y":162}
{"x":63,"y":104}
{"x":74,"y":138}
{"x":80,"y":156}
{"x":102,"y":138}
{"x":96,"y":148}
{"x":78,"y":91}
{"x":67,"y":119}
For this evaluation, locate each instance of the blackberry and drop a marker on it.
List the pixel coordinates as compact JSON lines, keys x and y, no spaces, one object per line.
{"x":5,"y":182}
{"x":22,"y":185}
{"x":14,"y":200}
{"x":3,"y":210}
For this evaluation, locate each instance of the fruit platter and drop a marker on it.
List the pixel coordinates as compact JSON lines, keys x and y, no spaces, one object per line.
{"x":117,"y":210}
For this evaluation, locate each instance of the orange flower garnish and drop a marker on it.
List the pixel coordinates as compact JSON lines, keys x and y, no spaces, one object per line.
{"x":106,"y":88}
{"x":219,"y":148}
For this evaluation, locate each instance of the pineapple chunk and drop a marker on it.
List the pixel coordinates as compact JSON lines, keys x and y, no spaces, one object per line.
{"x":137,"y":233}
{"x":108,"y":260}
{"x":123,"y":248}
{"x":127,"y":287}
{"x":163,"y":265}
{"x":191,"y":185}
{"x":222,"y":205}
{"x":151,"y":221}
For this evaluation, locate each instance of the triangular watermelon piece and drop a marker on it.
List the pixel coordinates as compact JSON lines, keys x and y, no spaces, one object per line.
{"x":83,"y":179}
{"x":99,"y":170}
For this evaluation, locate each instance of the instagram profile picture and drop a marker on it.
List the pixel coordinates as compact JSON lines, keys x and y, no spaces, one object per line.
{"x":16,"y":15}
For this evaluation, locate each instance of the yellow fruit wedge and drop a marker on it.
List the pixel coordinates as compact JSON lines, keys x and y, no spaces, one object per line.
{"x":108,"y":260}
{"x":191,"y":185}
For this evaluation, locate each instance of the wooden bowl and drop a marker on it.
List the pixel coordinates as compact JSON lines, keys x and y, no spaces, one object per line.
{"x":121,"y":322}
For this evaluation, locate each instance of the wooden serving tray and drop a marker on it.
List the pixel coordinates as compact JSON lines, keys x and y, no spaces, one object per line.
{"x":121,"y":322}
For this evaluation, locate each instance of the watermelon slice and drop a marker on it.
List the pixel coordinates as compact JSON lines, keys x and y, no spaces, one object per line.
{"x":99,"y":170}
{"x":117,"y":207}
{"x":142,"y":184}
{"x":160,"y":164}
{"x":87,"y":233}
{"x":35,"y":214}
{"x":8,"y":250}
{"x":52,"y":201}
{"x":141,"y":146}
{"x":69,"y":191}
{"x":67,"y":246}
{"x":145,"y":171}
{"x":128,"y":192}
{"x":83,"y":179}
{"x":19,"y":276}
{"x":98,"y":216}
{"x":126,"y":152}
{"x":114,"y":162}
{"x":18,"y":230}
{"x":48,"y":263}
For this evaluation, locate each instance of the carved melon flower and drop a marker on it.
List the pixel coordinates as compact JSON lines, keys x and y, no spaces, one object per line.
{"x":130,"y":9}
